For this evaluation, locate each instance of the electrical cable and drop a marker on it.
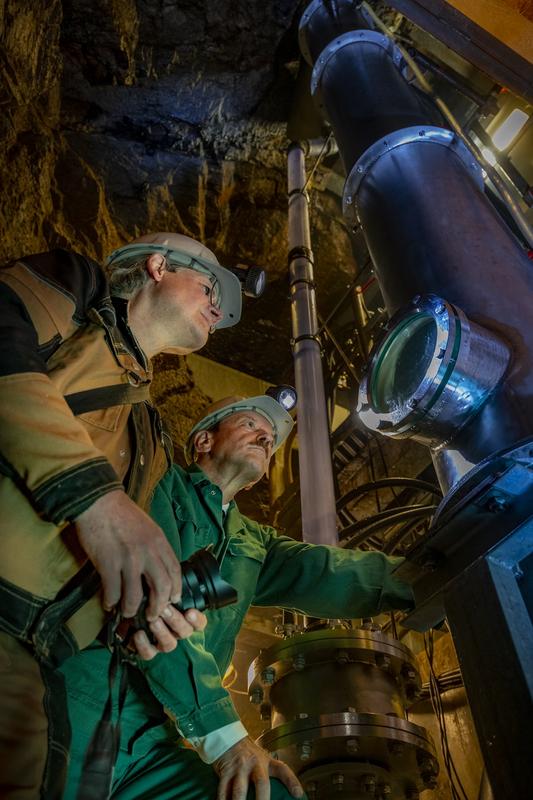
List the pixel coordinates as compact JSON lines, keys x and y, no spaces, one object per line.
{"x":364,"y":488}
{"x":393,"y":625}
{"x":317,"y":161}
{"x":375,"y":438}
{"x":391,"y":544}
{"x":373,"y":476}
{"x":363,"y":528}
{"x":456,"y":786}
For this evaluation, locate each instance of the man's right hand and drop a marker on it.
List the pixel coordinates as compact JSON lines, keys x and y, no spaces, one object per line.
{"x":125,"y":546}
{"x":245,"y":765}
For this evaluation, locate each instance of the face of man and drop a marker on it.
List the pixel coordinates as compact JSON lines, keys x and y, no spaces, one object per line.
{"x":242,"y":443}
{"x":185,"y":302}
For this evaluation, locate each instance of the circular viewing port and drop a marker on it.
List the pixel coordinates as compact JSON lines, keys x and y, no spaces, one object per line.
{"x":403,"y":363}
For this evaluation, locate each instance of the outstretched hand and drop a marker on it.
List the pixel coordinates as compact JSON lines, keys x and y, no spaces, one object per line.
{"x":125,"y":545}
{"x":246,"y":763}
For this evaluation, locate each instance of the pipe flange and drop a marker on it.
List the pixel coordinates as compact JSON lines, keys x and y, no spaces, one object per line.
{"x":424,"y":135}
{"x":431,"y":373}
{"x":351,"y":38}
{"x":306,"y":18}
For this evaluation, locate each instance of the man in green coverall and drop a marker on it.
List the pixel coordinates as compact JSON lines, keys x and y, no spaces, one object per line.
{"x":230,"y":448}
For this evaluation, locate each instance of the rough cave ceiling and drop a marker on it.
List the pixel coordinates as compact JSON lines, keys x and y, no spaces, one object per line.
{"x":121,"y":117}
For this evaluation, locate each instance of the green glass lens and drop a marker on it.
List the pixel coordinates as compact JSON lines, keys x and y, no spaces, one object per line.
{"x":403,"y":363}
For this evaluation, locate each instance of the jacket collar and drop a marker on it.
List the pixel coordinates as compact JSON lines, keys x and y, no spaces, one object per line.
{"x":234,"y":522}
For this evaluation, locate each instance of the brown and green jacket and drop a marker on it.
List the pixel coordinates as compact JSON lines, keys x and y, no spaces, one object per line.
{"x":76,"y":423}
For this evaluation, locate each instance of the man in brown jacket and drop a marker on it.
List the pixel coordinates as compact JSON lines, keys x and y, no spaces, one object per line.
{"x":81,"y":451}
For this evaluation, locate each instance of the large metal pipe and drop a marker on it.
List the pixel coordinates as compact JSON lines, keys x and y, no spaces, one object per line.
{"x":316,"y":472}
{"x":358,"y":85}
{"x":429,"y":227}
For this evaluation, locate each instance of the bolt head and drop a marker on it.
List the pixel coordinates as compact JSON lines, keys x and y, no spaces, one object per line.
{"x":368,"y":784}
{"x":256,"y":695}
{"x":342,"y":657}
{"x":352,"y":746}
{"x":268,"y":675}
{"x":396,"y":748}
{"x":298,"y":662}
{"x":305,"y":751}
{"x":496,"y":505}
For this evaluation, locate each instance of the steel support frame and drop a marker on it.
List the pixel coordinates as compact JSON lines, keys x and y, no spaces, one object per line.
{"x":489,"y":612}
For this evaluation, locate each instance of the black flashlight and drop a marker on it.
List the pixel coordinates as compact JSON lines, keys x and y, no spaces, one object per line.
{"x":253,"y":279}
{"x":284,"y":394}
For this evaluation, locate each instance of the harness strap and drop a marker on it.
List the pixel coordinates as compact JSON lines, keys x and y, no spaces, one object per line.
{"x":107,"y":396}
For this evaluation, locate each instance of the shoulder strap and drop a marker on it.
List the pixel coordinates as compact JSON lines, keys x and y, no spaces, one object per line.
{"x":106,"y":396}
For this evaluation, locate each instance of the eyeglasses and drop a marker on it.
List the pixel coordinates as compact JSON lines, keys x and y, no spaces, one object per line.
{"x":215,"y":294}
{"x":215,"y":297}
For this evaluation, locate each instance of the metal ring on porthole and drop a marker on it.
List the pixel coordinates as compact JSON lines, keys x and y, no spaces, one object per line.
{"x":350,"y":38}
{"x":430,"y":373}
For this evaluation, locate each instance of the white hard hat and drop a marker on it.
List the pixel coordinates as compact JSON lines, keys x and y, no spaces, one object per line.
{"x":187,"y":252}
{"x":269,"y":408}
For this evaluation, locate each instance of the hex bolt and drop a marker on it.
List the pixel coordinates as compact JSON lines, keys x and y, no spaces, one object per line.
{"x":496,"y":505}
{"x":383,"y":662}
{"x":386,"y":790}
{"x":352,"y":746}
{"x":396,"y":748}
{"x":298,"y":662}
{"x":310,"y":788}
{"x":302,"y":715}
{"x":267,"y":676}
{"x":265,"y":711}
{"x":305,"y":751}
{"x":368,"y":784}
{"x":338,"y":781}
{"x":342,"y":657}
{"x":256,"y":695}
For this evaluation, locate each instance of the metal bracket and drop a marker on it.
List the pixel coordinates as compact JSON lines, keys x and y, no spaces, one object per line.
{"x":300,"y":252}
{"x":314,"y":337}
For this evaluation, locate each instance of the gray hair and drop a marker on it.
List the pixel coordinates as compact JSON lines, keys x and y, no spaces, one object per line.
{"x":129,"y":276}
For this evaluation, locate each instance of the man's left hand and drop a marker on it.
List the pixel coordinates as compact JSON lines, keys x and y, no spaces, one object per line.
{"x":167,"y":630}
{"x":247,"y":763}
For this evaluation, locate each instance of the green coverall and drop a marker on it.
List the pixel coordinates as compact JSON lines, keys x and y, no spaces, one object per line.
{"x":267,"y":570}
